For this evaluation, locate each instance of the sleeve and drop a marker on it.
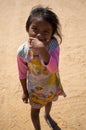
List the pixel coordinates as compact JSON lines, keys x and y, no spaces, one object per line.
{"x":53,"y":65}
{"x":22,"y":68}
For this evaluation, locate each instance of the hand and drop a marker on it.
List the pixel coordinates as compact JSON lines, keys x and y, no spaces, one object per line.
{"x":36,"y":43}
{"x":25,"y":97}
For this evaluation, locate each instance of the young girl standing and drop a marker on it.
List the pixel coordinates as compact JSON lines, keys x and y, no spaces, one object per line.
{"x":38,"y":62}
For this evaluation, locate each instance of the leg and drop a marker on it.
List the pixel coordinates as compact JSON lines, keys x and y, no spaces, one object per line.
{"x":35,"y":118}
{"x":49,"y":119}
{"x":48,"y":109}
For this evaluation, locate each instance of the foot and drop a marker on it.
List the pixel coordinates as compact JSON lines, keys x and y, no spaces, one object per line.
{"x":52,"y":124}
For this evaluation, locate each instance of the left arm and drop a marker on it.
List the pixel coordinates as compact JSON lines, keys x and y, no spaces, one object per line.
{"x":45,"y":55}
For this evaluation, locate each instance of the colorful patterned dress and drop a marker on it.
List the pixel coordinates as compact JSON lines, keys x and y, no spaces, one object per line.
{"x":43,"y":80}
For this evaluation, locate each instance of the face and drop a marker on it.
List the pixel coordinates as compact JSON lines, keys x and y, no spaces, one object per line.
{"x":40,"y":29}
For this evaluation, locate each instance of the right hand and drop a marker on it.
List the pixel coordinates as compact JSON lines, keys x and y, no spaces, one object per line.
{"x":36,"y":44}
{"x":25,"y":97}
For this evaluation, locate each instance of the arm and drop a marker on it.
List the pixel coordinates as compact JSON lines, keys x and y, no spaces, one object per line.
{"x":22,"y":67}
{"x":45,"y":55}
{"x":25,"y":95}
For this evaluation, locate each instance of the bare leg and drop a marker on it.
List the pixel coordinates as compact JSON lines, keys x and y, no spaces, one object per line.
{"x":49,"y":119}
{"x":48,"y":109}
{"x":35,"y":118}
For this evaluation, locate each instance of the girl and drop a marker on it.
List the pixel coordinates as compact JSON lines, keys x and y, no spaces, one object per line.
{"x":38,"y":62}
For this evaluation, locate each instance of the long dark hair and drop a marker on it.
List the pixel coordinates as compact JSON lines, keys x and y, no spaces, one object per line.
{"x":48,"y":16}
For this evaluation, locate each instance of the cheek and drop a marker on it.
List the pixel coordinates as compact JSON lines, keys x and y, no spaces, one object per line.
{"x":31,"y":33}
{"x":49,"y":37}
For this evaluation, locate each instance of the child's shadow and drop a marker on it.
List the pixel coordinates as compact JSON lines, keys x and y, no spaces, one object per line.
{"x":56,"y":128}
{"x":52,"y":123}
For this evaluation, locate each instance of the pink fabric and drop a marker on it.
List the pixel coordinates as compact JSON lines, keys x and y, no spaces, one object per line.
{"x":52,"y":66}
{"x":22,"y":67}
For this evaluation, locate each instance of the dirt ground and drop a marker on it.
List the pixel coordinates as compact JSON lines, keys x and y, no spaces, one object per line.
{"x":69,"y":112}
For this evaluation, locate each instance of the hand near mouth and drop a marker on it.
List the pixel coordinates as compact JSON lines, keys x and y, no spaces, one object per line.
{"x":35,"y":43}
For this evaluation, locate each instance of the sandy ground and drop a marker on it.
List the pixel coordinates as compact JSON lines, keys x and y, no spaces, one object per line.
{"x":69,"y":112}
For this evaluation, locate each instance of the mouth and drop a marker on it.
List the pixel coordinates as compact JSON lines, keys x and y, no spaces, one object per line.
{"x":41,"y":39}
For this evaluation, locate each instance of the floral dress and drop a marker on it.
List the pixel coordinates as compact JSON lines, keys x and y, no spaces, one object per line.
{"x":43,"y":80}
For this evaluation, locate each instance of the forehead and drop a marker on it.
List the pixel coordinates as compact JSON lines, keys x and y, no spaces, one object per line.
{"x":39,"y":22}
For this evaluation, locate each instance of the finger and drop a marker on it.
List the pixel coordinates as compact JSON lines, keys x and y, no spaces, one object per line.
{"x":30,"y":43}
{"x":31,"y":38}
{"x":25,"y":101}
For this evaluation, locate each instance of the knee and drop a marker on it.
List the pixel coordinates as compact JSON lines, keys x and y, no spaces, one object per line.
{"x":35,"y":112}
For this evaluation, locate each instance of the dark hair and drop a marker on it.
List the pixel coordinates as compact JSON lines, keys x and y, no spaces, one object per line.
{"x":48,"y":16}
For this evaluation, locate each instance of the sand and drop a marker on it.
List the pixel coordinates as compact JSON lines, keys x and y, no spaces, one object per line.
{"x":69,"y":112}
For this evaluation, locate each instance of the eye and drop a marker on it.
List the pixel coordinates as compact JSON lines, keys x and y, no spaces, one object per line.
{"x":46,"y":32}
{"x":34,"y":28}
